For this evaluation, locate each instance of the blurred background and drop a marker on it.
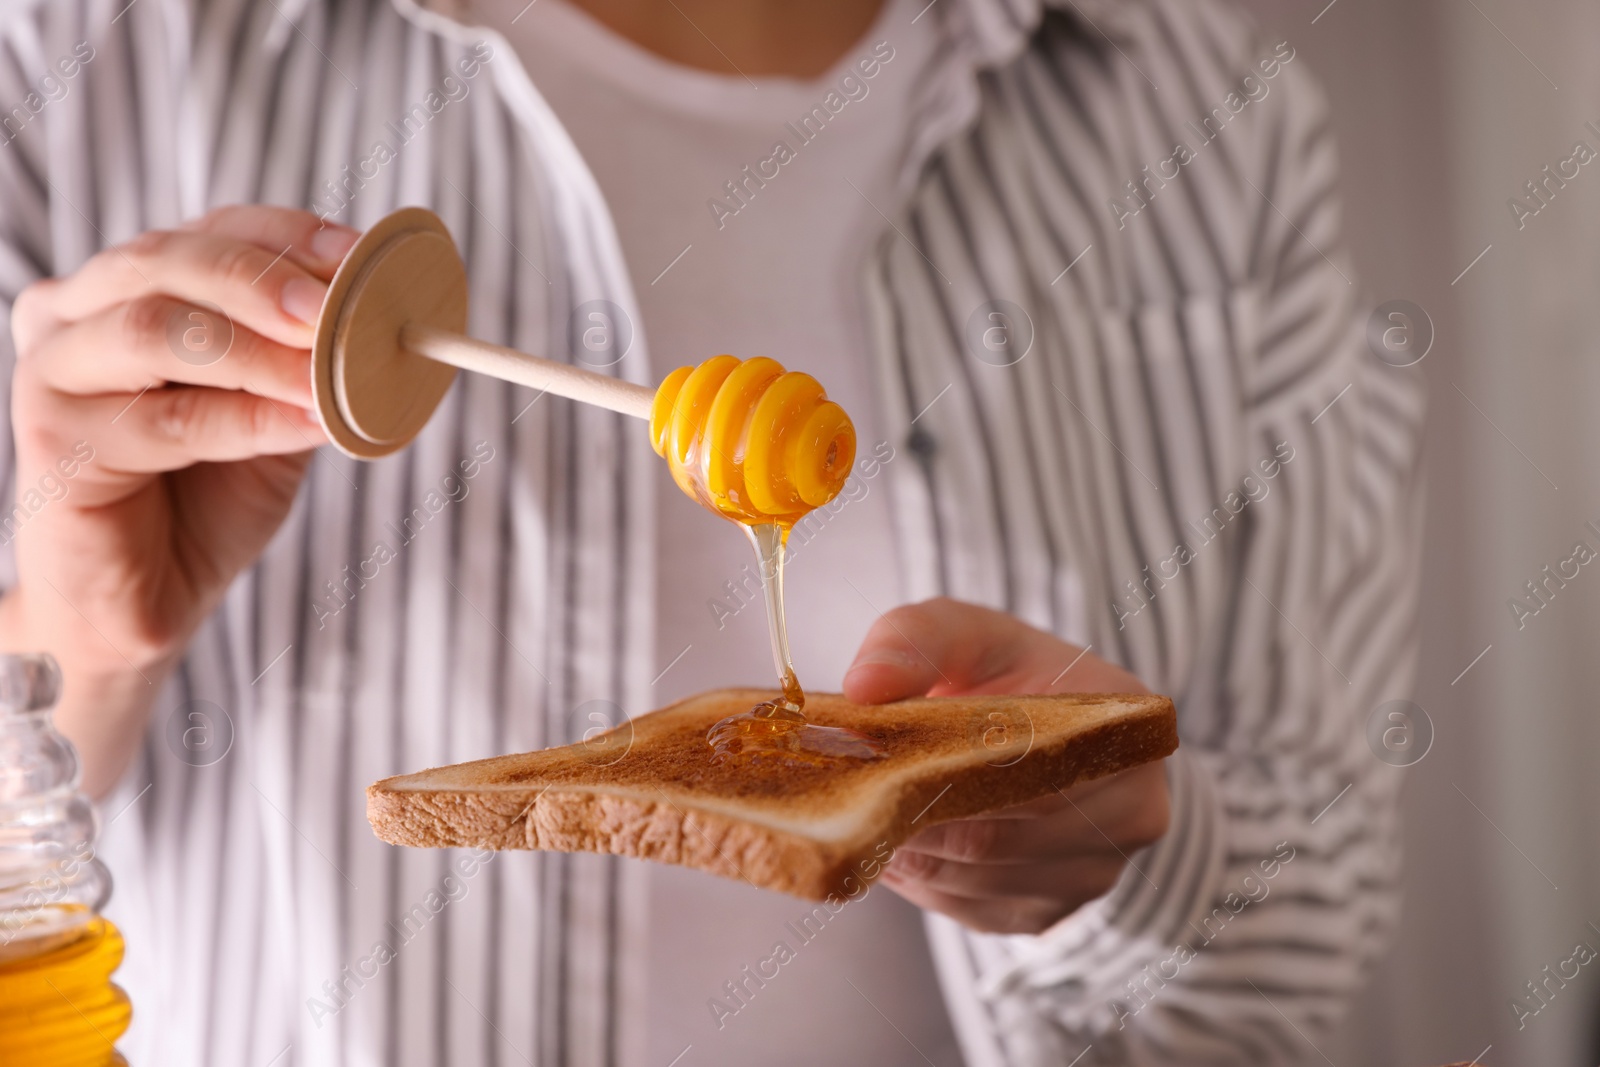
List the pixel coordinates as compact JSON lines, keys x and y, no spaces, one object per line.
{"x":1445,"y":110}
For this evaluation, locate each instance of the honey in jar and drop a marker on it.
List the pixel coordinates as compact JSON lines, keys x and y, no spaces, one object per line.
{"x":58,"y":1006}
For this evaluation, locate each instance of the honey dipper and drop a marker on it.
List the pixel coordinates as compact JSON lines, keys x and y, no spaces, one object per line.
{"x":753,"y":442}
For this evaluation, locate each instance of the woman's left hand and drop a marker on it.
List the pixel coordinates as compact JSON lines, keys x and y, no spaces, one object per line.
{"x":1022,"y":869}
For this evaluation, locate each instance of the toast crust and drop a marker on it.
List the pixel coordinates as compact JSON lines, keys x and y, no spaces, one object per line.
{"x":648,"y":789}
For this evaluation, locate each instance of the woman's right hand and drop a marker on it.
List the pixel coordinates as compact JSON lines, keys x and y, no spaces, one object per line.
{"x":198,"y":447}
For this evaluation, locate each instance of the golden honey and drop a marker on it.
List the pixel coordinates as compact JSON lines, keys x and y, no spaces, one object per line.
{"x":751,"y":441}
{"x":58,"y":1006}
{"x":763,"y":447}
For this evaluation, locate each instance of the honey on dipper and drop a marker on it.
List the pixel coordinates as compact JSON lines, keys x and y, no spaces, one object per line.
{"x":762,"y":447}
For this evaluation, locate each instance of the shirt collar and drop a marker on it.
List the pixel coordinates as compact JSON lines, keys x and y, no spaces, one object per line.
{"x":996,"y":31}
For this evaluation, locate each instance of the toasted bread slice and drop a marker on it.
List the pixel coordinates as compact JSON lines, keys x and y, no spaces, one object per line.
{"x":650,"y":789}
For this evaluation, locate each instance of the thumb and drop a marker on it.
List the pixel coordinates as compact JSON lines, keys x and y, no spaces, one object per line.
{"x":939,"y":646}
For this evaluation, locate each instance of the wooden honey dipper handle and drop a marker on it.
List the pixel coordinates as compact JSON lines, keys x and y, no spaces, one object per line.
{"x":508,"y":364}
{"x":392,"y":335}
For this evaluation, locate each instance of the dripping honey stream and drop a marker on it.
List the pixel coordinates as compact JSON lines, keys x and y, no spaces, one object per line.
{"x":763,"y":447}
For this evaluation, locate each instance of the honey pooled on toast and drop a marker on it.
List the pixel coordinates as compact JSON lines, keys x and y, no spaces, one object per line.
{"x":762,"y":447}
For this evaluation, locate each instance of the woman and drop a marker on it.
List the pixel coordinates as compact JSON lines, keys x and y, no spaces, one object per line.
{"x":1076,"y":271}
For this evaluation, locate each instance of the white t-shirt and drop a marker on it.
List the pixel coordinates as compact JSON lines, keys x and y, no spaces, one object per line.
{"x":773,"y":270}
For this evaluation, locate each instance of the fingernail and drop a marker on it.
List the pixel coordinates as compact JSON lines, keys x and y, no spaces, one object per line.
{"x":899,"y":659}
{"x":908,"y":865}
{"x":302,"y":299}
{"x":331,"y":243}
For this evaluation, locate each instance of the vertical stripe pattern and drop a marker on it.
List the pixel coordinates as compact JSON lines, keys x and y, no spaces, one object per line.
{"x":1108,"y":483}
{"x":446,"y":603}
{"x":1167,"y":442}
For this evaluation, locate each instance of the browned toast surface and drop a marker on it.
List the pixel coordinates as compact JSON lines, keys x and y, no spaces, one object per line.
{"x":650,"y":788}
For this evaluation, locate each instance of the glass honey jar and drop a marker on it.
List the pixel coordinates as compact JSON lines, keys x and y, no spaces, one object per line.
{"x":58,"y":1005}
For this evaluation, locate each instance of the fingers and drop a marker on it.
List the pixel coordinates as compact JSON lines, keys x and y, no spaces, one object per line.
{"x":256,"y":288}
{"x":938,"y":646}
{"x":1133,"y":809}
{"x":944,"y":647}
{"x":1008,"y":839}
{"x":995,"y":915}
{"x":161,"y":340}
{"x":1106,"y":819}
{"x":1124,"y":811}
{"x":1027,"y":866}
{"x":276,"y":292}
{"x":1075,"y":880}
{"x":312,"y":242}
{"x":174,"y":427}
{"x":180,"y":346}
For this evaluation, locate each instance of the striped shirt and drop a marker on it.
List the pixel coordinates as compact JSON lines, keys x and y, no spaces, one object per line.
{"x":1194,"y":466}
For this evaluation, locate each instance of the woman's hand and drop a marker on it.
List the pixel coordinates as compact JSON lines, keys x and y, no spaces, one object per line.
{"x":1021,"y":870}
{"x":160,"y":455}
